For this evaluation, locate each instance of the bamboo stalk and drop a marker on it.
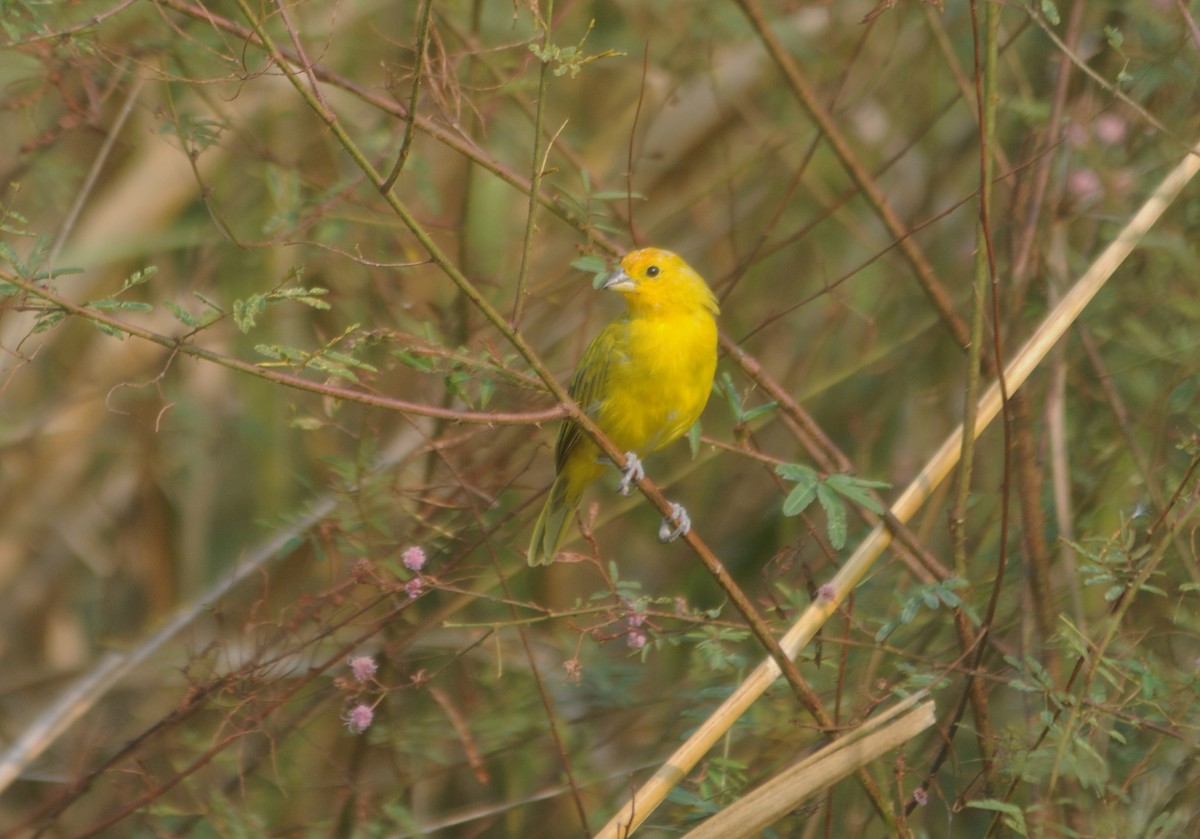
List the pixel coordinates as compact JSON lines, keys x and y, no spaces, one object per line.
{"x":774,"y":799}
{"x":651,"y":794}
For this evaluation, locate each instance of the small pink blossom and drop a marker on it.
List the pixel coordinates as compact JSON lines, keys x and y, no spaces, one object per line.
{"x":413,"y":587}
{"x":636,"y":639}
{"x":827,"y":593}
{"x":1083,"y":183}
{"x":1110,"y":129}
{"x":634,"y":619}
{"x":363,"y":667}
{"x":921,"y":796}
{"x":413,"y":558}
{"x":358,"y":719}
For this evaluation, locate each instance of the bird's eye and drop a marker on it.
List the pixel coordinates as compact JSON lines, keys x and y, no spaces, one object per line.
{"x":652,"y":271}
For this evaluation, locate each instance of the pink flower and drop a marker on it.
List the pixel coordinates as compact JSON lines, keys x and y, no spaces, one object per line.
{"x":1083,"y":183}
{"x":413,"y":587}
{"x":1110,"y":129}
{"x":363,"y":667}
{"x":921,"y":796}
{"x":413,"y":558}
{"x":358,"y":719}
{"x":636,"y":639}
{"x":827,"y":593}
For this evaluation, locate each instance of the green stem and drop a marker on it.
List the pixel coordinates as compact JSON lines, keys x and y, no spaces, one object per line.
{"x":535,"y":178}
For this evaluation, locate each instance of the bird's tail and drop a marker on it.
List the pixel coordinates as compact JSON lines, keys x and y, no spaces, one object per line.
{"x":552,"y":524}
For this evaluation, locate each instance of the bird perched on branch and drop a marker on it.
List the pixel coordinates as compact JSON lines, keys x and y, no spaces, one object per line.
{"x":644,"y":380}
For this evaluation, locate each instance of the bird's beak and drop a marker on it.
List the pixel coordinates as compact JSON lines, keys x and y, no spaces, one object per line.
{"x":618,"y":281}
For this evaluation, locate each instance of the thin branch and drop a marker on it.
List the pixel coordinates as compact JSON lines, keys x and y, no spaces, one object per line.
{"x":410,"y":120}
{"x":858,"y":173}
{"x":85,"y":190}
{"x":538,"y":167}
{"x":645,"y":799}
{"x":295,"y":382}
{"x":586,"y":424}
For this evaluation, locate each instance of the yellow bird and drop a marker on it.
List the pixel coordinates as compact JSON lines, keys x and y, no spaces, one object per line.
{"x":644,"y":380}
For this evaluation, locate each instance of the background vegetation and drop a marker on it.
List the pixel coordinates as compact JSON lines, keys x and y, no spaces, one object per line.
{"x":273,"y":300}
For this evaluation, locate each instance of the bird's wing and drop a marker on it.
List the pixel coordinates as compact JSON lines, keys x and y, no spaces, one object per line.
{"x":590,"y":384}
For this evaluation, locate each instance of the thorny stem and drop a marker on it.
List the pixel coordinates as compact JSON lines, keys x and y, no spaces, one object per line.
{"x":181,"y":346}
{"x":410,"y":123}
{"x":536,"y":169}
{"x":857,"y":172}
{"x":758,"y":625}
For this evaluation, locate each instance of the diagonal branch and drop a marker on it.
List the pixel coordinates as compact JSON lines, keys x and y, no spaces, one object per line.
{"x":653,"y":792}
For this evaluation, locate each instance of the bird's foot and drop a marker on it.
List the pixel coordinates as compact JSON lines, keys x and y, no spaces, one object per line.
{"x":675,"y":525}
{"x":631,"y":474}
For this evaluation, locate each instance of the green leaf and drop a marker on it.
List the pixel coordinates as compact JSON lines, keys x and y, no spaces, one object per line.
{"x":996,"y":806}
{"x":349,"y":360}
{"x":245,"y":312}
{"x":798,"y":499}
{"x":307,"y":423}
{"x":1050,"y":12}
{"x":590,"y":264}
{"x":487,"y":388}
{"x":7,"y":254}
{"x":139,"y":277}
{"x":1013,"y":816}
{"x":48,"y":320}
{"x":326,"y":366}
{"x":855,"y":490}
{"x":724,"y":385}
{"x":755,"y":413}
{"x":693,"y":436}
{"x":835,"y":516}
{"x":682,"y":796}
{"x":807,"y":480}
{"x":111,"y":331}
{"x":57,"y":272}
{"x":181,"y":314}
{"x":947,"y":596}
{"x":306,"y":296}
{"x":110,"y":305}
{"x":797,"y":472}
{"x":617,"y":195}
{"x":417,"y":362}
{"x":15,"y":216}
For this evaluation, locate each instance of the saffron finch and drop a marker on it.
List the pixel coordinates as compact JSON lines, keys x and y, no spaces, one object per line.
{"x":644,"y":380}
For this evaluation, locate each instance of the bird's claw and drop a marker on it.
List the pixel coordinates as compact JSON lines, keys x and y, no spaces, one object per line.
{"x":675,"y":525}
{"x":631,"y":474}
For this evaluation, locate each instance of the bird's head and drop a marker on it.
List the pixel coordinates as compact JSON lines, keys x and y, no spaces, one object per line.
{"x":652,"y":279}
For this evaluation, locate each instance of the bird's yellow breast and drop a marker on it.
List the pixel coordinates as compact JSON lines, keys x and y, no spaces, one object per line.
{"x":659,"y":379}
